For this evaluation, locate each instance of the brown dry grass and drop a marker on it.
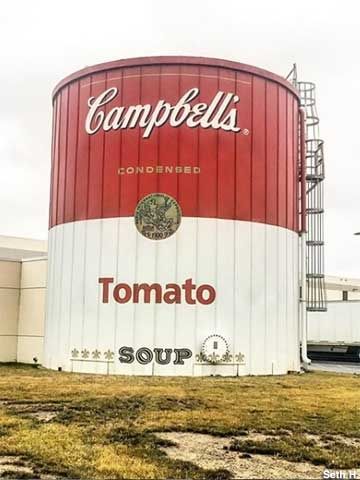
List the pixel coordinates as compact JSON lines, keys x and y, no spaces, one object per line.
{"x":102,"y":427}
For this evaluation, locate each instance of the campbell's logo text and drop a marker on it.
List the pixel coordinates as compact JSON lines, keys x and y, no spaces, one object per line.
{"x":188,"y":292}
{"x":217,"y":114}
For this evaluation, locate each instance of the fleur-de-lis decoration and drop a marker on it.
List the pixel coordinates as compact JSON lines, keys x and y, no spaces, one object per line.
{"x":227,"y":357}
{"x":85,"y":353}
{"x":239,"y":357}
{"x":75,"y":353}
{"x":200,"y":357}
{"x":109,"y":355}
{"x":213,"y":358}
{"x":96,"y":354}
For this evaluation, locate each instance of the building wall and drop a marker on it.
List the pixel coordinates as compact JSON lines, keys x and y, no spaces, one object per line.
{"x":337,"y":295}
{"x":9,"y":309}
{"x":22,"y":310}
{"x":32,"y":311}
{"x":339,"y":324}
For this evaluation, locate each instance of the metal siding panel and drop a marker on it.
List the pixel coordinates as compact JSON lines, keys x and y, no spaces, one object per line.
{"x":282,"y":195}
{"x":258,"y":190}
{"x":65,"y":295}
{"x":53,"y":147}
{"x":282,"y":299}
{"x":243,"y":289}
{"x":188,"y":154}
{"x":258,"y":285}
{"x":57,"y":300}
{"x":150,"y":147}
{"x":72,"y":132}
{"x":109,"y":267}
{"x":271,"y":153}
{"x":166,"y":252}
{"x":244,"y":149}
{"x":207,"y":238}
{"x":63,"y":139}
{"x":96,"y":158}
{"x":78,"y":288}
{"x":168,"y":146}
{"x":128,"y":261}
{"x":208,"y":150}
{"x":165,"y":315}
{"x":291,"y":192}
{"x":271,"y":332}
{"x":49,"y":302}
{"x":92,"y":259}
{"x":82,"y":157}
{"x":187,"y":267}
{"x":295,"y":125}
{"x":112,"y":159}
{"x":129,"y":191}
{"x":145,"y":326}
{"x":295,"y":299}
{"x":225,"y":287}
{"x":55,"y":168}
{"x":226,"y":157}
{"x":290,"y":299}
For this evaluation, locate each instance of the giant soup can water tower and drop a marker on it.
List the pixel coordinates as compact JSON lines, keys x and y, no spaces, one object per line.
{"x":173,"y":243}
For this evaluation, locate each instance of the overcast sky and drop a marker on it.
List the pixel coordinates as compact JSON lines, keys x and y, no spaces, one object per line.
{"x":41,"y":42}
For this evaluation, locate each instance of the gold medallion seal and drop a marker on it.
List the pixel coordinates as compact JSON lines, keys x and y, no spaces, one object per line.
{"x":157,"y":216}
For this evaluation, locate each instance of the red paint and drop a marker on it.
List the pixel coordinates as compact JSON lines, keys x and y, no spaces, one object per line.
{"x":142,"y":293}
{"x":253,"y":178}
{"x":303,"y":171}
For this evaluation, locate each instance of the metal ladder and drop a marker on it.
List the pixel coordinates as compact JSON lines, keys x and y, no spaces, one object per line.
{"x":314,"y":176}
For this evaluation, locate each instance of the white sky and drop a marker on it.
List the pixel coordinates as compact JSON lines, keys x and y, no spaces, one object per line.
{"x":41,"y":42}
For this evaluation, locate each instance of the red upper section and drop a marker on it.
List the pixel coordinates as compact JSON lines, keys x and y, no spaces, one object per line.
{"x":247,"y":177}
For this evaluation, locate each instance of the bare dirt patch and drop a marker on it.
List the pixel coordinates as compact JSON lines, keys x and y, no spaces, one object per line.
{"x":13,"y":467}
{"x":43,"y":416}
{"x":44,"y":412}
{"x":211,"y":452}
{"x":323,"y":440}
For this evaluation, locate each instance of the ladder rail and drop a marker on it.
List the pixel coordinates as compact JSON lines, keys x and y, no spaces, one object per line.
{"x":314,"y":192}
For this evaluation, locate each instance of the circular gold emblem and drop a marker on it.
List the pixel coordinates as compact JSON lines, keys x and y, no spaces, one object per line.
{"x":157,"y":216}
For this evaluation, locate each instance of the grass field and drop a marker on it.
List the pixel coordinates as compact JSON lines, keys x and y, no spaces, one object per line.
{"x":85,"y":426}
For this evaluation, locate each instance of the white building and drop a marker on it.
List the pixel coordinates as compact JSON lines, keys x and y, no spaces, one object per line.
{"x":338,"y":329}
{"x":23,"y":265}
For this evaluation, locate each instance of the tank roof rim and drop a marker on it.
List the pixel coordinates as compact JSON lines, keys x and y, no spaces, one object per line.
{"x":173,"y":60}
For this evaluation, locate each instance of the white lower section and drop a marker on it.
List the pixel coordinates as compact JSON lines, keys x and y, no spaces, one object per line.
{"x":253,"y":268}
{"x":340,"y":324}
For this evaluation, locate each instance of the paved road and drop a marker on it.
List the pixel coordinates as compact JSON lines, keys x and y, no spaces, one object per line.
{"x":345,"y":367}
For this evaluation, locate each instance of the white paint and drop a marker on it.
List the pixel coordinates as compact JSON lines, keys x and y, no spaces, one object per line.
{"x":340,"y":324}
{"x":22,"y":307}
{"x":253,"y":268}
